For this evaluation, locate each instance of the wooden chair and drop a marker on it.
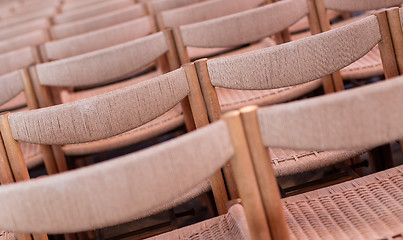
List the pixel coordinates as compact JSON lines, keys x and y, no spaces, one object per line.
{"x":97,"y":22}
{"x":16,"y":30}
{"x":24,"y":18}
{"x":108,"y":115}
{"x":290,"y":65}
{"x":12,"y":85}
{"x":92,"y":10}
{"x":98,"y":39}
{"x":365,"y":208}
{"x":75,"y":5}
{"x":30,"y":39}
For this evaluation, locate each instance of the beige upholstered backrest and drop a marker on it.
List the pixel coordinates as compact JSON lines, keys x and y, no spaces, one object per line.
{"x":362,"y":117}
{"x":31,"y":7}
{"x":163,"y":5}
{"x":103,"y":66}
{"x":204,"y":11}
{"x":15,"y":30}
{"x":102,"y":116}
{"x":296,"y":62}
{"x":33,"y":38}
{"x":97,"y":22}
{"x":118,"y":190}
{"x":17,"y":59}
{"x":68,"y":6}
{"x":360,"y":5}
{"x":43,"y":13}
{"x":99,"y":39}
{"x":244,"y":27}
{"x":11,"y":84}
{"x":91,"y":11}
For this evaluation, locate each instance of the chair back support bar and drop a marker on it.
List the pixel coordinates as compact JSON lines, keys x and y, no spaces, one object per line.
{"x":203,"y":11}
{"x":98,"y":39}
{"x":104,"y":66}
{"x":337,"y":116}
{"x":360,"y":5}
{"x":245,"y":27}
{"x":102,"y":116}
{"x":116,"y":191}
{"x":97,"y":22}
{"x":296,"y":62}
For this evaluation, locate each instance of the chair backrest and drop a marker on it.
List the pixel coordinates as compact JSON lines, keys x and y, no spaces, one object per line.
{"x":90,"y":11}
{"x":360,"y":5}
{"x":239,"y":28}
{"x":30,"y":7}
{"x":97,"y":22}
{"x":75,"y":5}
{"x":203,"y":151}
{"x":202,"y":11}
{"x":363,"y":117}
{"x":16,"y":30}
{"x":43,"y":13}
{"x":291,"y":63}
{"x":98,"y":39}
{"x":18,"y":59}
{"x":162,"y":5}
{"x":32,"y":39}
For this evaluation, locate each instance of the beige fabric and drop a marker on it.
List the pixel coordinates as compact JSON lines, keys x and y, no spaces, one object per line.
{"x":205,"y":10}
{"x":32,"y":6}
{"x":74,"y":5}
{"x":41,"y":23}
{"x":296,"y":62}
{"x":99,"y":39}
{"x":233,"y":225}
{"x":115,"y":191}
{"x":104,"y":65}
{"x":162,"y":5}
{"x":91,"y":11}
{"x":366,"y":208}
{"x":33,"y":38}
{"x":101,"y":116}
{"x":245,"y":27}
{"x":329,"y":122}
{"x":368,"y":66}
{"x":97,"y":22}
{"x":17,"y":102}
{"x":11,"y":85}
{"x":16,"y":60}
{"x":360,"y":5}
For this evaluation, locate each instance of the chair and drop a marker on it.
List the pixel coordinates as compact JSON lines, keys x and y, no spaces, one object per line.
{"x":22,"y":28}
{"x":97,"y":22}
{"x":365,"y":208}
{"x":68,"y":6}
{"x":90,"y":11}
{"x":30,"y":39}
{"x":98,"y":39}
{"x":288,"y":66}
{"x":108,"y":115}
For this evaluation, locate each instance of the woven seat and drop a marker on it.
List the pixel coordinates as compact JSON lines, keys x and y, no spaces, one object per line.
{"x":232,"y":225}
{"x":366,"y":208}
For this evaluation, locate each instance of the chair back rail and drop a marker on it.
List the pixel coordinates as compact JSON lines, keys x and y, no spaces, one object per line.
{"x":97,"y":22}
{"x":360,"y":5}
{"x":13,"y":31}
{"x":105,"y":65}
{"x":101,"y":116}
{"x":203,"y":11}
{"x":131,"y":186}
{"x":45,"y":13}
{"x":90,"y":11}
{"x":163,"y":5}
{"x":18,"y":59}
{"x":68,"y":6}
{"x":242,"y":28}
{"x":99,"y":39}
{"x":33,"y":38}
{"x":292,"y":63}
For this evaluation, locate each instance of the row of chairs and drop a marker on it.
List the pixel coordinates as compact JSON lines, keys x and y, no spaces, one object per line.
{"x":204,"y":70}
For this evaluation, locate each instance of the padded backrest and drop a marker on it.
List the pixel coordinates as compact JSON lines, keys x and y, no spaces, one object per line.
{"x":92,"y":10}
{"x":17,"y":59}
{"x":118,"y":190}
{"x":102,"y":116}
{"x":296,"y":62}
{"x":32,"y":6}
{"x":68,"y":6}
{"x":359,"y":118}
{"x":360,"y":5}
{"x":244,"y":27}
{"x":33,"y":38}
{"x":97,"y":22}
{"x":103,"y":66}
{"x":204,"y":11}
{"x":15,"y":30}
{"x":11,"y":85}
{"x":43,"y":13}
{"x":163,"y":5}
{"x":99,"y":39}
